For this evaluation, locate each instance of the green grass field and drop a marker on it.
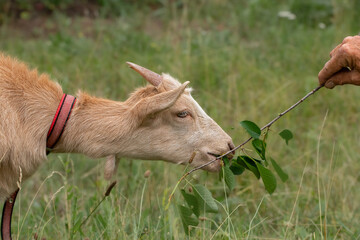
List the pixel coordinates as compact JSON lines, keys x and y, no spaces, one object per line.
{"x":245,"y":63}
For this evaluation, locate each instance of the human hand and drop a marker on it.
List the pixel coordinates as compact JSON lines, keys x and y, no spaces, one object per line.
{"x":344,"y":64}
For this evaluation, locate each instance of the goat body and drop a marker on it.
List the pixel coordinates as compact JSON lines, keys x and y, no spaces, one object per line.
{"x":148,"y":125}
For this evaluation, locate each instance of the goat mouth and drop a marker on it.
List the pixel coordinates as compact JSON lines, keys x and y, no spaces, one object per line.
{"x":214,"y":154}
{"x":215,"y":166}
{"x":229,"y":156}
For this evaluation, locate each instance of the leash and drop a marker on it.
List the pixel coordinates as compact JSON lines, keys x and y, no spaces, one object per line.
{"x":56,"y":129}
{"x":6,"y":216}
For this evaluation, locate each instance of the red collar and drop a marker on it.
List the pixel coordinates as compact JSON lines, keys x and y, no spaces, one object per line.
{"x":59,"y":122}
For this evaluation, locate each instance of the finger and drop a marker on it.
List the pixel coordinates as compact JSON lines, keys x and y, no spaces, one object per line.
{"x":333,"y":52}
{"x":345,"y":41}
{"x":343,"y":77}
{"x":348,"y":39}
{"x":334,"y":65}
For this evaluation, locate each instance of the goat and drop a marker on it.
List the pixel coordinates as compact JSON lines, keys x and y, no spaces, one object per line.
{"x":160,"y":121}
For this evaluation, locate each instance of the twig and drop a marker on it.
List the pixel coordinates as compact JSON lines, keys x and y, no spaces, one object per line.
{"x":266,"y":126}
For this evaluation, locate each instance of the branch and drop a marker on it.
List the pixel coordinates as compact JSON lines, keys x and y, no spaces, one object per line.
{"x":266,"y":126}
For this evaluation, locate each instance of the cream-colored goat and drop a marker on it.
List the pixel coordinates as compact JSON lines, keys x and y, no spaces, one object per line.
{"x":158,"y":122}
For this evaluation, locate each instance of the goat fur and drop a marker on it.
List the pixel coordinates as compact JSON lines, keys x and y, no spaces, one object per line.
{"x":98,"y":127}
{"x":28,"y":102}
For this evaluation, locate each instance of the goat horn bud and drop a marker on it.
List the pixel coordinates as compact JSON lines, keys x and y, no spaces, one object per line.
{"x":150,"y":76}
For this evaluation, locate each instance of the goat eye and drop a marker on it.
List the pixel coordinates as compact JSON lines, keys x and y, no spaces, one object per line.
{"x":182,"y":114}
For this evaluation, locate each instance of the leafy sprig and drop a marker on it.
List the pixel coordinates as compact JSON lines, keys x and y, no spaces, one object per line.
{"x":201,"y":200}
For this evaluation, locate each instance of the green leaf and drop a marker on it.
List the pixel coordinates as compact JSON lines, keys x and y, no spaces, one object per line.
{"x":283,"y":175}
{"x":226,"y":161}
{"x":249,"y":164}
{"x":268,"y":178}
{"x":251,"y":128}
{"x":286,"y":135}
{"x":191,"y":202}
{"x":236,"y":168}
{"x":260,"y":147}
{"x":253,"y":169}
{"x":188,"y":218}
{"x":229,"y":177}
{"x":205,"y":199}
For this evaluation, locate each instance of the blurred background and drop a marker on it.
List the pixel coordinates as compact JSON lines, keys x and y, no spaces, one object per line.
{"x":246,"y":60}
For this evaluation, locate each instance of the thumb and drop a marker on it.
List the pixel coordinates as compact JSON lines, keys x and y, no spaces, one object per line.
{"x":343,"y":77}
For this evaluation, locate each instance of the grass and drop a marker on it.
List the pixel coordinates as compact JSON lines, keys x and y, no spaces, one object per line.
{"x":244,"y":63}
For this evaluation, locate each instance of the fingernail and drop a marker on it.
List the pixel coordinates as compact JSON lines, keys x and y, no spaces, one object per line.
{"x":329,"y":84}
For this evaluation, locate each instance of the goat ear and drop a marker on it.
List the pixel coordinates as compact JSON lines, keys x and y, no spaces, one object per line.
{"x":150,"y":76}
{"x":157,"y":102}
